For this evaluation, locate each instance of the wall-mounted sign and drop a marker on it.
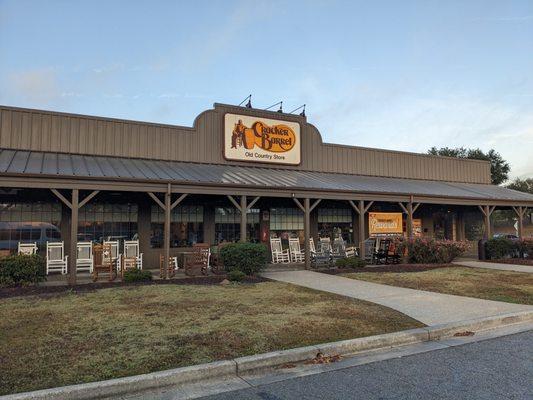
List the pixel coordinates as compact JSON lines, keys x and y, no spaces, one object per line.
{"x":261,"y":139}
{"x":384,"y":223}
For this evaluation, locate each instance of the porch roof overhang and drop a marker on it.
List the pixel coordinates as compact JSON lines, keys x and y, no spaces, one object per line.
{"x":59,"y":170}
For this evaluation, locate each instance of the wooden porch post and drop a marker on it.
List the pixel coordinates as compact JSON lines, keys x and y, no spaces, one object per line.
{"x":409,"y":210}
{"x":74,"y":205}
{"x":244,"y":211}
{"x":307,"y":230}
{"x":487,"y":222}
{"x":307,"y":208}
{"x":361,"y":210}
{"x":73,"y":237}
{"x":410,"y":220}
{"x":362,"y":233}
{"x":243,"y":207}
{"x":167,"y":207}
{"x":520,"y":212}
{"x":521,"y":223}
{"x":167,"y":231}
{"x":487,"y":212}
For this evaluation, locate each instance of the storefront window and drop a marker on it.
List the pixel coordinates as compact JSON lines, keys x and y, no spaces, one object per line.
{"x":29,"y":222}
{"x":474,"y":227}
{"x":102,"y":221}
{"x":186,"y":226}
{"x":505,"y":223}
{"x":228,"y":225}
{"x":335,"y":222}
{"x":286,"y":223}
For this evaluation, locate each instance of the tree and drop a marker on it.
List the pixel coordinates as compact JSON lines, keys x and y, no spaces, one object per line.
{"x":499,"y":168}
{"x":522,"y":185}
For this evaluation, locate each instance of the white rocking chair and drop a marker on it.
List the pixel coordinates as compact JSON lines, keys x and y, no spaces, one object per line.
{"x":131,"y":250}
{"x":278,"y":254}
{"x":28,"y":249}
{"x":84,"y":259}
{"x":55,"y":258}
{"x":312,"y":247}
{"x":296,"y":253}
{"x":116,"y":257}
{"x":326,"y":243}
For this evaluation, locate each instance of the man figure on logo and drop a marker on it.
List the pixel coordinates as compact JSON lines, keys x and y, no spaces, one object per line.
{"x":237,"y":134}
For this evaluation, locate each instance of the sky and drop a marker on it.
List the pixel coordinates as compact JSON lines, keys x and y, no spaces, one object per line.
{"x":403,"y":75}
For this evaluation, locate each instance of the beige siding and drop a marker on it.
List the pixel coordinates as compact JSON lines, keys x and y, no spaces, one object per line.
{"x":67,"y":133}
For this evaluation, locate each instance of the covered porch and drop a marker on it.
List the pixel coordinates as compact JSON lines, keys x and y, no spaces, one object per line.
{"x":170,"y":206}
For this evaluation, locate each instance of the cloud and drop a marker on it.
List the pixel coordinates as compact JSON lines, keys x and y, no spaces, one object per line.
{"x":108,"y":69}
{"x":71,"y":94}
{"x":39,"y":85}
{"x":386,"y":117}
{"x":211,"y":45}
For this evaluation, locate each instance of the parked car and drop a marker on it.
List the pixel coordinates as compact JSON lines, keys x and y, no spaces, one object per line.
{"x":505,"y":236}
{"x":11,"y":233}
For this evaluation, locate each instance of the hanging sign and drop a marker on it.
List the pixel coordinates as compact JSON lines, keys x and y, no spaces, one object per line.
{"x":384,"y":223}
{"x":261,"y":140}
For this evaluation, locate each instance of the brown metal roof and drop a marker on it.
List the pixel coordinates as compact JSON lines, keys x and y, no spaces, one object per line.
{"x":16,"y":162}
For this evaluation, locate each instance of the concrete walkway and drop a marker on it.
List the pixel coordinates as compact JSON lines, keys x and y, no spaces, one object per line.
{"x":493,"y":265}
{"x":428,"y":307}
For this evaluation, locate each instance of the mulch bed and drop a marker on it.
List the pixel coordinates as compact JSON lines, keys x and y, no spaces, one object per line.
{"x":91,"y":287}
{"x":517,"y":261}
{"x":388,"y":268}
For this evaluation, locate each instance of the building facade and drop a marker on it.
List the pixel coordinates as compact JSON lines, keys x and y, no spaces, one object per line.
{"x":237,"y":174}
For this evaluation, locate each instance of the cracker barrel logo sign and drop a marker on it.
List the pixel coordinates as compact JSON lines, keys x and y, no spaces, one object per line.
{"x":261,"y":139}
{"x":384,"y":223}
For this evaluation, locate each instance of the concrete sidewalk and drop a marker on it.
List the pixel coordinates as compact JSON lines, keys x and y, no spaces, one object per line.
{"x":429,"y":308}
{"x":493,"y":265}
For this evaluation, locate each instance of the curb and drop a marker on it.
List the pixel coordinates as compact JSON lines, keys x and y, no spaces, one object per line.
{"x":130,"y":384}
{"x":436,"y":332}
{"x":232,"y":368}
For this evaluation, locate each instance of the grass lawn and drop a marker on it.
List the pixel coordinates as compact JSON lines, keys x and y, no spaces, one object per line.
{"x":69,"y":338}
{"x":512,"y":287}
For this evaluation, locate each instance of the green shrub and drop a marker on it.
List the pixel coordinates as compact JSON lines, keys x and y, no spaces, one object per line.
{"x":501,"y":248}
{"x":236,"y":275}
{"x":430,"y":251}
{"x":526,"y":247}
{"x":249,"y":258}
{"x":137,"y":275}
{"x":350,"y":262}
{"x":22,"y":270}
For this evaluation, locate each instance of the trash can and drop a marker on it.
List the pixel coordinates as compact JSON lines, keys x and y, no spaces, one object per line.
{"x":482,"y":250}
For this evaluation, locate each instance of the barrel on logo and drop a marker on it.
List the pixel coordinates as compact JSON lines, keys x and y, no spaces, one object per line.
{"x":249,"y":138}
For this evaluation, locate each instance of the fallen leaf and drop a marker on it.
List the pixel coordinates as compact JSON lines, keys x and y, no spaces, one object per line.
{"x":465,"y":333}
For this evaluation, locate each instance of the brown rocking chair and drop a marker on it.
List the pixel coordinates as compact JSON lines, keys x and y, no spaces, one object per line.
{"x":217,"y":264}
{"x":126,"y":264}
{"x":197,"y":262}
{"x":172,"y":266}
{"x":103,"y":262}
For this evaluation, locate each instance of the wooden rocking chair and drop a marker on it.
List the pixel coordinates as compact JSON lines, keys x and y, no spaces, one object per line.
{"x":197,"y":262}
{"x":126,"y":264}
{"x":217,"y":264}
{"x":172,"y":266}
{"x":103,"y":262}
